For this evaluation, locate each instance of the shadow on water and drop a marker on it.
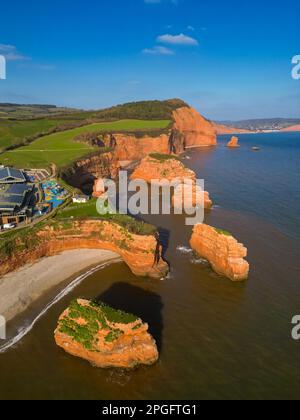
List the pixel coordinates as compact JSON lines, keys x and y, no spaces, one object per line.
{"x":163,"y":240}
{"x":144,"y":303}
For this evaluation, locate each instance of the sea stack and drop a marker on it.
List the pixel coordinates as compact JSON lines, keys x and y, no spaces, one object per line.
{"x":225,"y":254}
{"x":191,"y":195}
{"x":105,"y":337}
{"x":233,"y":143}
{"x":159,"y":167}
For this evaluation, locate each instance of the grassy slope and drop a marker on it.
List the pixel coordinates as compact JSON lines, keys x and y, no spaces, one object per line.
{"x":13,"y":132}
{"x":19,"y":111}
{"x":59,"y":148}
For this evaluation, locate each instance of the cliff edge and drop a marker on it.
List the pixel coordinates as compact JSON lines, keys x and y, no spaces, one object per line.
{"x":197,"y":130}
{"x":141,"y":252}
{"x":158,"y":167}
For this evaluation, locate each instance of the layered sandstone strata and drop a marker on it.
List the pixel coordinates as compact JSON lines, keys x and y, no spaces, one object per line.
{"x":141,"y":252}
{"x":130,"y":147}
{"x":191,"y":196}
{"x":222,"y":250}
{"x":187,"y":129}
{"x":157,"y":167}
{"x":233,"y":143}
{"x":196,"y":129}
{"x":83,"y":173}
{"x":105,"y":337}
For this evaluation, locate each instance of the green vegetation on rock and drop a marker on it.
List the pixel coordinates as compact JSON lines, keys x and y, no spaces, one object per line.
{"x":163,"y":158}
{"x":22,"y":240}
{"x":222,"y":232}
{"x":89,"y":211}
{"x":96,"y":317}
{"x":148,"y":110}
{"x":22,"y":124}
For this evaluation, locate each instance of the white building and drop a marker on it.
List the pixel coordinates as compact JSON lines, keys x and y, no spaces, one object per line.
{"x":80,"y":199}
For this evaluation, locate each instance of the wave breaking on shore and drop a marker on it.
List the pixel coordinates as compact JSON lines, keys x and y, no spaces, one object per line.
{"x":76,"y":282}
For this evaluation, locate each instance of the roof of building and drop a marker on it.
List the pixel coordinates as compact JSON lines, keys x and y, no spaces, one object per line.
{"x":10,"y":175}
{"x":12,"y":196}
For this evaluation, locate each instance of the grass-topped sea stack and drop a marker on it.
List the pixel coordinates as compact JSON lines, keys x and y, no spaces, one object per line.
{"x":104,"y":336}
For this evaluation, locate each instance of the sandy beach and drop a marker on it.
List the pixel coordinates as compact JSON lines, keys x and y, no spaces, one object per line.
{"x":21,"y":287}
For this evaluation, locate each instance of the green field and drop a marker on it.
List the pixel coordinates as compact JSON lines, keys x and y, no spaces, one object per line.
{"x":76,"y":210}
{"x":61,"y":149}
{"x":19,"y":123}
{"x":14,"y":132}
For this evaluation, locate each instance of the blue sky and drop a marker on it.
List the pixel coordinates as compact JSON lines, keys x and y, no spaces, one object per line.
{"x":230,"y":59}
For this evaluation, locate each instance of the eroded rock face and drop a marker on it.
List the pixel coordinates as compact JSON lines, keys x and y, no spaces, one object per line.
{"x":105,"y":337}
{"x":84,"y":172}
{"x":233,"y":143}
{"x":173,"y":170}
{"x":141,"y":253}
{"x":191,"y":197}
{"x":196,"y":129}
{"x":189,"y":129}
{"x":162,"y":167}
{"x":222,"y":250}
{"x":131,"y":148}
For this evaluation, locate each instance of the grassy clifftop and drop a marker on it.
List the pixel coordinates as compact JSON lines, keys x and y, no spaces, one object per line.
{"x":61,"y":148}
{"x":20,"y":125}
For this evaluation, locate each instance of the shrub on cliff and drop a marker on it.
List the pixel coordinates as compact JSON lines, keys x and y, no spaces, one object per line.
{"x":163,"y":158}
{"x":141,"y":110}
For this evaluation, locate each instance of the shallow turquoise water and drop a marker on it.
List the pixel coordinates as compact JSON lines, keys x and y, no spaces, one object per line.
{"x":217,"y":339}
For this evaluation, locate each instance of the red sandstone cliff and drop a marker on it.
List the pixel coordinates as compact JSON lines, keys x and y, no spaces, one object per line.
{"x":189,"y":129}
{"x":127,"y":147}
{"x":163,"y":167}
{"x":167,"y":167}
{"x":196,"y":129}
{"x":191,"y":197}
{"x":223,"y":252}
{"x":105,"y":337}
{"x":140,"y":252}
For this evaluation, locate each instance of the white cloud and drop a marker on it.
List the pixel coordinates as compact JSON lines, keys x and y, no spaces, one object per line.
{"x":158,"y":50}
{"x":180,"y":39}
{"x":11,"y":53}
